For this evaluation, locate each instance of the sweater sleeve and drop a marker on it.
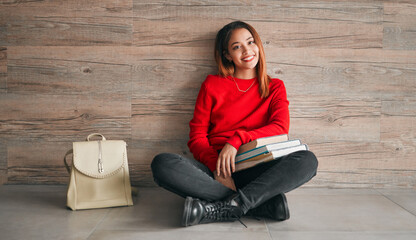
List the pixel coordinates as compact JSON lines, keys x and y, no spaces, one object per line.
{"x":199,"y":126}
{"x":278,"y":122}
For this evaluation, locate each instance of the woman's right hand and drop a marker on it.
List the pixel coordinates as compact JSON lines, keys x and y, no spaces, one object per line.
{"x":226,"y":181}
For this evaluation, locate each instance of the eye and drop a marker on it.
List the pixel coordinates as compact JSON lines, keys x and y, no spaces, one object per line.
{"x":236,"y":47}
{"x":250,"y":42}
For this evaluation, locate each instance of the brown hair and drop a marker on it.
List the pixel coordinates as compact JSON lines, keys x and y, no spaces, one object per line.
{"x":227,"y":68}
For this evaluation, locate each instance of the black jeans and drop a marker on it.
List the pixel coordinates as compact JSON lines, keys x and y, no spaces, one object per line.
{"x":256,"y":185}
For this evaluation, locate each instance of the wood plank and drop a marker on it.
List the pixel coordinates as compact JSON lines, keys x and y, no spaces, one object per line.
{"x":364,"y":179}
{"x":167,"y":78}
{"x":141,"y":175}
{"x":399,"y":133}
{"x":165,"y":89}
{"x":123,"y":55}
{"x":162,"y":106}
{"x":60,"y":70}
{"x":319,"y":35}
{"x":67,"y":22}
{"x":282,"y":24}
{"x":169,"y":72}
{"x":327,"y":118}
{"x":355,"y":164}
{"x":3,"y":70}
{"x":398,"y":129}
{"x":399,"y":107}
{"x":35,"y":161}
{"x":352,"y":156}
{"x":63,"y":117}
{"x":365,"y":72}
{"x":142,"y":151}
{"x":3,"y":162}
{"x":399,"y":25}
{"x":160,"y":127}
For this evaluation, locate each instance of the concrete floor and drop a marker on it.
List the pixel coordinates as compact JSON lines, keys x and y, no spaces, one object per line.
{"x":38,"y":212}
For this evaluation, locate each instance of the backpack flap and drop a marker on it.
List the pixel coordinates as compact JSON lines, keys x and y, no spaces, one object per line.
{"x":99,"y":159}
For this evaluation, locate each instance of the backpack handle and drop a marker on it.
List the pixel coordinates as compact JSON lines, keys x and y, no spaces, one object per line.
{"x":96,"y":134}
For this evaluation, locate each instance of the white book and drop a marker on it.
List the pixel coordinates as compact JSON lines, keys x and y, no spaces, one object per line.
{"x":269,"y":157}
{"x":262,"y":142}
{"x":266,"y":149}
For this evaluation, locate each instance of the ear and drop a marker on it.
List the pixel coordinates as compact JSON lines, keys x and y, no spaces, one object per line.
{"x":227,"y":56}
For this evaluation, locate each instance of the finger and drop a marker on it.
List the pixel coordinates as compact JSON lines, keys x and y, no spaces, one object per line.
{"x":223,"y":166}
{"x":228,"y":165}
{"x":218,"y":166}
{"x":233,"y":163}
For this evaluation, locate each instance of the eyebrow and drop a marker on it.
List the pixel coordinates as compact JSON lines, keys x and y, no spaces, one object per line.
{"x":238,"y":42}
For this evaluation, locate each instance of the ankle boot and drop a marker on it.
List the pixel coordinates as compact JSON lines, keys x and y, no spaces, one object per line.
{"x":275,"y":208}
{"x":198,"y":211}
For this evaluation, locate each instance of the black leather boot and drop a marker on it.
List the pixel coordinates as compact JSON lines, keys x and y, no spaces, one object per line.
{"x":275,"y":208}
{"x":198,"y":211}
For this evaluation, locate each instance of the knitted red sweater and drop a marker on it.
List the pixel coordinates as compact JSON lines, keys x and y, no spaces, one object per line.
{"x":223,"y":114}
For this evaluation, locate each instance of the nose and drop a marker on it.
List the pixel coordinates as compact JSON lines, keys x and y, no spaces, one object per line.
{"x":245,"y":50}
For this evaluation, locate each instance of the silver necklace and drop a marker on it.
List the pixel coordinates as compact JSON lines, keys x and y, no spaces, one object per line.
{"x":239,"y":88}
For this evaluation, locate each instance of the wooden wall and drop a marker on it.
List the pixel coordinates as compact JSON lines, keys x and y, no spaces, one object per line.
{"x":131,"y":70}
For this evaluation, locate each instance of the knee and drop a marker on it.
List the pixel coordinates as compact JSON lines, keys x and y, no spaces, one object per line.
{"x":161,"y":162}
{"x":310,"y":160}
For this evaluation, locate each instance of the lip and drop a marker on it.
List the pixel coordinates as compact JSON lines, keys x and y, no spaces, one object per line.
{"x":248,"y":58}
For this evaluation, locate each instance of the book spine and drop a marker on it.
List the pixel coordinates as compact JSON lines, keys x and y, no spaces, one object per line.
{"x":274,"y":155}
{"x":260,"y":142}
{"x":266,"y":149}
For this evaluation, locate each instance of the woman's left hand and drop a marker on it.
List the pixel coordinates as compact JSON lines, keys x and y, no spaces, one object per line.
{"x":226,"y":160}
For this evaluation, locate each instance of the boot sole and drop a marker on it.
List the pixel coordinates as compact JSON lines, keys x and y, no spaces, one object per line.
{"x":187,"y":211}
{"x":286,"y":207}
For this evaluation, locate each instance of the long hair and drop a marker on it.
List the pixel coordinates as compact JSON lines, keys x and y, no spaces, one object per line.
{"x":227,"y":68}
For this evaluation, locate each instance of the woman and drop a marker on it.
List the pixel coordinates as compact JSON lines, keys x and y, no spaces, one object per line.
{"x":240,"y":104}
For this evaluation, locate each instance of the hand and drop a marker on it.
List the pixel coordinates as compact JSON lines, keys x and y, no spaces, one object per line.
{"x":226,"y":181}
{"x":226,"y":161}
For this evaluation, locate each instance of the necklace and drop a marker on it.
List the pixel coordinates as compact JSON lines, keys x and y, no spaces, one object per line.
{"x":239,"y":88}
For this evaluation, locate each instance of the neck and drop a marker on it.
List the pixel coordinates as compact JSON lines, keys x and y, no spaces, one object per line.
{"x":245,"y":73}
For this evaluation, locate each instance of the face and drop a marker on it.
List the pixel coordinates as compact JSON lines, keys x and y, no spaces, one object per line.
{"x":243,"y":51}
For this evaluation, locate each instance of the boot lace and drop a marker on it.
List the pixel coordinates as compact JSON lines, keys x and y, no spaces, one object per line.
{"x":219,"y":211}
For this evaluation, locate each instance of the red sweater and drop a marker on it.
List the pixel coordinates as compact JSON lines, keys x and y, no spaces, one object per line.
{"x":225,"y":115}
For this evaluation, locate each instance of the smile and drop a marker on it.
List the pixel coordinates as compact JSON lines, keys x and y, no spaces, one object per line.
{"x":248,"y":59}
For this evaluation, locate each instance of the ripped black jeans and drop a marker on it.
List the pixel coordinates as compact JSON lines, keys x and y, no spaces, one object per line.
{"x":256,"y":185}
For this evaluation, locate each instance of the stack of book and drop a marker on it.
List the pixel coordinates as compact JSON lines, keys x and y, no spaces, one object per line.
{"x":266,"y":149}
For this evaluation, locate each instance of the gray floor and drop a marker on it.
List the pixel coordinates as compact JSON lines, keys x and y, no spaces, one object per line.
{"x":38,"y":212}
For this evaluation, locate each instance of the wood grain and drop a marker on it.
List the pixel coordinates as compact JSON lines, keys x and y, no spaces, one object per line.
{"x":388,"y":73}
{"x":38,"y":161}
{"x":132,"y":70}
{"x":398,"y":130}
{"x":3,"y":69}
{"x":282,"y":24}
{"x":366,"y":178}
{"x":399,"y":26}
{"x":360,"y":164}
{"x":59,"y":117}
{"x":64,"y":71}
{"x":68,"y":23}
{"x":169,"y":79}
{"x":318,"y":35}
{"x":3,"y":162}
{"x":327,"y":118}
{"x":161,"y":119}
{"x":161,"y":127}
